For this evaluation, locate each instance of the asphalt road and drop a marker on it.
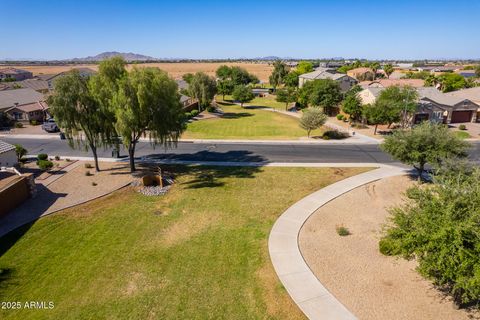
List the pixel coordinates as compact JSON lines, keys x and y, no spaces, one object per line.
{"x":239,"y":152}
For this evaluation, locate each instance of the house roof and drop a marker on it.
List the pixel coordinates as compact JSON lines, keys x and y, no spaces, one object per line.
{"x":35,"y":84}
{"x":322,"y":73}
{"x":385,"y":83}
{"x":13,"y":71}
{"x":29,"y":107}
{"x":184,"y":98}
{"x":439,"y":97}
{"x":182,"y":84}
{"x":8,"y":98}
{"x":6,"y":147}
{"x":359,"y":70}
{"x":375,"y":91}
{"x":472,"y":94}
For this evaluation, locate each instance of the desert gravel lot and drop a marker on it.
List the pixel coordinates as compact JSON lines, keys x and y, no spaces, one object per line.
{"x":369,"y":284}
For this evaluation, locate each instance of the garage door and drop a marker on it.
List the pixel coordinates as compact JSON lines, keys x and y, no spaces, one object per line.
{"x":461,"y":116}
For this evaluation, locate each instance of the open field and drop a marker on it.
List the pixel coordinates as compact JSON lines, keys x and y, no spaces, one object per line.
{"x":238,"y":123}
{"x":200,"y":252}
{"x":175,"y":70}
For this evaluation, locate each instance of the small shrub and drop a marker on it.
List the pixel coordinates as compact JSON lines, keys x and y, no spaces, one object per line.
{"x":334,"y":134}
{"x":188,"y":115}
{"x":45,"y":164}
{"x":34,"y":122}
{"x":387,"y":247}
{"x":22,"y":160}
{"x":211,"y":109}
{"x":68,"y":160}
{"x":194,"y":113}
{"x":462,"y":127}
{"x":94,"y":184}
{"x":88,"y":166}
{"x":342,"y":231}
{"x":42,"y":156}
{"x":88,"y":173}
{"x":340,"y":116}
{"x":57,"y":158}
{"x":18,"y":125}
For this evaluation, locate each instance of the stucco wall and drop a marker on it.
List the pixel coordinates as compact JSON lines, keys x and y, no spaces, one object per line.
{"x":8,"y":159}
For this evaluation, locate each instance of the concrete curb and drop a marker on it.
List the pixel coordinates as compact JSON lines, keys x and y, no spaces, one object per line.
{"x":304,"y":288}
{"x":350,"y":140}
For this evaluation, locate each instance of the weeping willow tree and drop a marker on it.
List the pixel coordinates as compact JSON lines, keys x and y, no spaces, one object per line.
{"x":147,"y":103}
{"x":79,"y":114}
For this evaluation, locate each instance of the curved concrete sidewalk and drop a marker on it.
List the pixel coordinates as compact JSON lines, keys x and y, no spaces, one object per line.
{"x":309,"y":294}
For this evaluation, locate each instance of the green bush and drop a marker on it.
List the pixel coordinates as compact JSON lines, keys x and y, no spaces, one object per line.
{"x":188,"y":115}
{"x":334,"y":134}
{"x":45,"y":164}
{"x":439,"y":227}
{"x":340,"y":116}
{"x":42,"y":156}
{"x":18,"y":125}
{"x":34,"y":122}
{"x":462,"y":127}
{"x":57,"y":158}
{"x":88,"y":166}
{"x":194,"y":113}
{"x":342,"y":231}
{"x":211,"y":109}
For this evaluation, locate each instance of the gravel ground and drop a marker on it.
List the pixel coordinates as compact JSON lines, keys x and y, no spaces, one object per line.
{"x":369,"y":284}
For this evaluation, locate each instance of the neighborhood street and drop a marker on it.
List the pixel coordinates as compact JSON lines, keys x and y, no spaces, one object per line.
{"x":241,"y":152}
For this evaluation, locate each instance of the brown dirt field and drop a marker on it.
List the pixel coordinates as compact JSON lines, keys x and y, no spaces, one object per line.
{"x":175,"y":70}
{"x":369,"y":284}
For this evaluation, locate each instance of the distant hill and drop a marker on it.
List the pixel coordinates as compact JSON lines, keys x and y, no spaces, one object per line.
{"x":128,"y":56}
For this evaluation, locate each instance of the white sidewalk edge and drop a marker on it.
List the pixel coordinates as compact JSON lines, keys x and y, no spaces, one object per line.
{"x":316,"y":302}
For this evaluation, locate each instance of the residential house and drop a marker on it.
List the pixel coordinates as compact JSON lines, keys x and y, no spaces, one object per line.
{"x":472,"y":94}
{"x":8,"y":157}
{"x":12,"y":98}
{"x":385,"y":83}
{"x":466,"y":73}
{"x":433,"y":105}
{"x":440,"y":107}
{"x":35,"y":111}
{"x":15,"y":74}
{"x":188,"y":103}
{"x":51,"y":78}
{"x":345,"y":81}
{"x":361,"y":74}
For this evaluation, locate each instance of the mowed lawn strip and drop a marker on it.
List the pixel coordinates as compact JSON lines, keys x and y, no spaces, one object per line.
{"x":250,"y":124}
{"x":200,"y":252}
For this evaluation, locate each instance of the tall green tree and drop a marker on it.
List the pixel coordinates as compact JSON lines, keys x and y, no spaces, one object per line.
{"x":388,"y":68}
{"x":81,"y":117}
{"x":223,"y":72}
{"x":242,"y":94}
{"x":280,"y":71}
{"x":438,"y":227}
{"x":377,"y":114}
{"x":148,"y":103}
{"x":323,"y":93}
{"x":312,"y":118}
{"x":224,"y":87}
{"x":374,"y":66}
{"x":451,"y":82}
{"x":400,"y":104}
{"x":426,"y":143}
{"x":203,"y":88}
{"x":291,"y":79}
{"x":287,"y":95}
{"x":353,"y":107}
{"x":304,"y":67}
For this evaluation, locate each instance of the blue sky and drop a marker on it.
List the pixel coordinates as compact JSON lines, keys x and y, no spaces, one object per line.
{"x":232,"y":29}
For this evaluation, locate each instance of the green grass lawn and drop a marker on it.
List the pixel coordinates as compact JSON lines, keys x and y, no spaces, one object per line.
{"x":200,"y":252}
{"x":462,"y":134}
{"x":252,"y":124}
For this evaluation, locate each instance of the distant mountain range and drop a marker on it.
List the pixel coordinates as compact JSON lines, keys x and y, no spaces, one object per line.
{"x":128,"y":56}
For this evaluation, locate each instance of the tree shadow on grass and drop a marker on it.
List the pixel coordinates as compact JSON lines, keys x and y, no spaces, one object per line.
{"x":6,"y":276}
{"x":235,"y":115}
{"x":207,"y":175}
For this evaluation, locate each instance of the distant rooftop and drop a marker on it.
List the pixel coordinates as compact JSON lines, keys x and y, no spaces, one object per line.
{"x":8,"y":98}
